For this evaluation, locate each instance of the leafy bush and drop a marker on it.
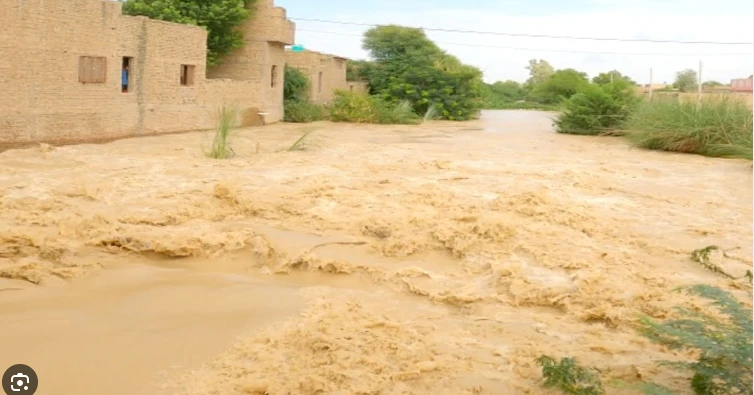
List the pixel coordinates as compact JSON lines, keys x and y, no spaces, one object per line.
{"x":569,"y":377}
{"x":297,"y":106}
{"x":597,"y":109}
{"x":303,"y":111}
{"x":718,"y":127}
{"x":724,"y":346}
{"x":725,"y":362}
{"x":361,"y":108}
{"x":295,"y":84}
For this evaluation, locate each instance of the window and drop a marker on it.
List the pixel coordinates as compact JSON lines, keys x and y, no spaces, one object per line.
{"x":187,"y":74}
{"x":125,"y":76}
{"x":92,"y":69}
{"x":319,"y":83}
{"x":273,"y":76}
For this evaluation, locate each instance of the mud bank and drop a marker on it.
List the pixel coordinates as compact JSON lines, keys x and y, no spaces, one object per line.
{"x":435,"y":259}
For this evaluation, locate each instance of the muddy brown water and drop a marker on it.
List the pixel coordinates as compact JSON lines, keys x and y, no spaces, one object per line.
{"x":435,"y":259}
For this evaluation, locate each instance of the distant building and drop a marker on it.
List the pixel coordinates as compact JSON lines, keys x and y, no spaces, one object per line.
{"x":742,"y":84}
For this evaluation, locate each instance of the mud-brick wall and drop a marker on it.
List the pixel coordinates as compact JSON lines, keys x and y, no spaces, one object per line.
{"x":261,"y":59}
{"x":327,"y":73}
{"x":40,"y":96}
{"x":358,"y":86}
{"x":42,"y":100}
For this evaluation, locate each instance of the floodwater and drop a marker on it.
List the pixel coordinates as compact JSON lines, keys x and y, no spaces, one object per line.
{"x":433,"y":259}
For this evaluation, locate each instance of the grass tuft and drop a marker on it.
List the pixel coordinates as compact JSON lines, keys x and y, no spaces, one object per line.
{"x":306,"y":142}
{"x":717,"y":127}
{"x":431,"y":114}
{"x":221,"y":144}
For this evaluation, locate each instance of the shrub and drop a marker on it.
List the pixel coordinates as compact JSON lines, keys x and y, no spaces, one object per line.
{"x":295,"y":84}
{"x":302,"y":111}
{"x":597,"y":109}
{"x":361,"y":108}
{"x":296,"y":104}
{"x":723,"y":344}
{"x":724,"y":365}
{"x":717,"y":127}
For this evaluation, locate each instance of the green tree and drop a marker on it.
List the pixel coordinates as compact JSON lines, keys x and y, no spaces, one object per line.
{"x":685,"y":80}
{"x":221,"y":18}
{"x":611,"y":76}
{"x":409,"y":66}
{"x":539,"y":72}
{"x":560,"y":86}
{"x":712,"y":84}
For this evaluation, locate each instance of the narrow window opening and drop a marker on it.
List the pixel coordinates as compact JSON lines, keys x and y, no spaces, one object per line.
{"x":319,"y":83}
{"x":125,"y":76}
{"x":273,"y":76}
{"x":187,"y":74}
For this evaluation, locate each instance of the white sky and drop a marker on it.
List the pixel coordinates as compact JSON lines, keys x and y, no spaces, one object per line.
{"x":695,"y":20}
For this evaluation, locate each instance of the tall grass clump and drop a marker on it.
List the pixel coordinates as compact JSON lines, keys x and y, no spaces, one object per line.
{"x":716,"y":127}
{"x":221,"y":144}
{"x":598,"y":109}
{"x":362,"y":108}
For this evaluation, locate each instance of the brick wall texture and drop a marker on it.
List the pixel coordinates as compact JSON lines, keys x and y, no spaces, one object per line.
{"x":327,"y":73}
{"x":42,"y":100}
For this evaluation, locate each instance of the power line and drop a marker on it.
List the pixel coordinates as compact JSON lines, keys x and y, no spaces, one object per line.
{"x":542,"y":49}
{"x":530,"y":35}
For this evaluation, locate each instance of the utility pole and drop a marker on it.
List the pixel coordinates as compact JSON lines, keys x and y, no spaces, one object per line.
{"x":699,"y":88}
{"x":650,"y":84}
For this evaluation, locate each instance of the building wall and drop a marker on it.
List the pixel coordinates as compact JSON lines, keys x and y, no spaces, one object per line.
{"x":42,"y":99}
{"x":265,"y":34}
{"x":361,"y":87}
{"x":742,"y":84}
{"x":327,"y":73}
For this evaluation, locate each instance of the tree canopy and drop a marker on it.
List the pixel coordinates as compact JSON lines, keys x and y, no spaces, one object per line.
{"x":611,"y":76}
{"x":561,"y":85}
{"x":685,"y":80}
{"x":221,"y":18}
{"x":407,"y":65}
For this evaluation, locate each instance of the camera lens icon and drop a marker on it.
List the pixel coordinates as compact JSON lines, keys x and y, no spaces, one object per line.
{"x":21,"y":380}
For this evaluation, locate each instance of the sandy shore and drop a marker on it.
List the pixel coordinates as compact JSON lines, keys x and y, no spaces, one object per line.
{"x":438,"y":259}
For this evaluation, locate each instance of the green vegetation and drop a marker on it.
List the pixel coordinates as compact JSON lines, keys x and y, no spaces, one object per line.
{"x":408,"y":67}
{"x":598,"y":109}
{"x":359,"y":108}
{"x":221,"y":18}
{"x":717,"y":127}
{"x":567,"y":376}
{"x":723,"y":346}
{"x":221,"y":145}
{"x":686,"y":80}
{"x":296,"y":103}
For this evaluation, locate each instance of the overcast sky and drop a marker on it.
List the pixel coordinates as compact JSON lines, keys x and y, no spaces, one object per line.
{"x":690,"y":20}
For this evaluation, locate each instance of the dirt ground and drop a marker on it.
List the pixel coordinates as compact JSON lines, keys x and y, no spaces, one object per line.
{"x":438,"y":259}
